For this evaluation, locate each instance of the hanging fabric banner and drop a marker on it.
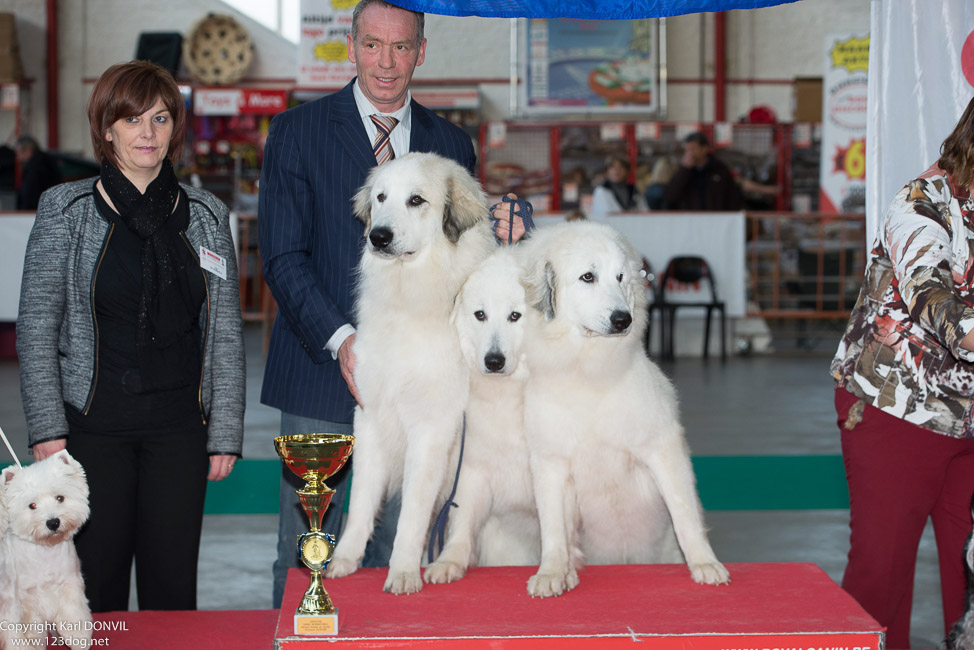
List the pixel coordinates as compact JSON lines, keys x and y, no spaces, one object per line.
{"x":586,"y":9}
{"x":921,"y":78}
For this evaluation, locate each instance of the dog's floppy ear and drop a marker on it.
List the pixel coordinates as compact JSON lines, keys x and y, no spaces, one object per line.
{"x":363,"y":201}
{"x":634,"y":290}
{"x":455,"y":312}
{"x":466,"y":204}
{"x":540,"y":288}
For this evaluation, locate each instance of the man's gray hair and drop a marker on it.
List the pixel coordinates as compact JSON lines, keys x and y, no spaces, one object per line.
{"x":361,"y":6}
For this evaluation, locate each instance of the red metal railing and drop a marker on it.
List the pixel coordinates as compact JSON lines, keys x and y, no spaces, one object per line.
{"x":804,"y":265}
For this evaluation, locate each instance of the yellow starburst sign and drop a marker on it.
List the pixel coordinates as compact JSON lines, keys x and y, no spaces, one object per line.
{"x":852,"y":54}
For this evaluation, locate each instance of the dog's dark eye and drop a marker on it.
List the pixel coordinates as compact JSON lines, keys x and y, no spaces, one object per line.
{"x":480,"y":315}
{"x":380,"y":198}
{"x":33,"y":506}
{"x":60,"y":499}
{"x":619,"y":277}
{"x":416,"y":199}
{"x":587,"y":277}
{"x":514,"y":317}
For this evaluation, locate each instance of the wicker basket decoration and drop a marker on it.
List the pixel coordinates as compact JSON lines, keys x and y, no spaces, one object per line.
{"x":218,"y":50}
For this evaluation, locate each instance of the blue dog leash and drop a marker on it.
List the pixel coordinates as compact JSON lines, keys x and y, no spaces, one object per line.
{"x":438,"y":533}
{"x":523,"y":208}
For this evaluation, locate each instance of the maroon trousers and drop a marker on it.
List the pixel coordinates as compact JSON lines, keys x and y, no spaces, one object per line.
{"x":900,"y":474}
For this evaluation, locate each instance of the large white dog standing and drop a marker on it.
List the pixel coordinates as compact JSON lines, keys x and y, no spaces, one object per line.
{"x":426,"y":226}
{"x":612,"y":471}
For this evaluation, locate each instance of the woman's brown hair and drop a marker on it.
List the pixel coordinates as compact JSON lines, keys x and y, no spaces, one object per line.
{"x":957,"y":151}
{"x":130,"y":89}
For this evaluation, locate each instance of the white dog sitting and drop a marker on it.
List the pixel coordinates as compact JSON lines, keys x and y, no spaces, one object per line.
{"x":426,"y":230}
{"x":48,"y":502}
{"x":612,"y":471}
{"x":9,"y":605}
{"x":495,"y":522}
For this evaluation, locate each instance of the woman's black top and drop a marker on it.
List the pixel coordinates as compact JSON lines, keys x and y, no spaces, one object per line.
{"x":119,"y":405}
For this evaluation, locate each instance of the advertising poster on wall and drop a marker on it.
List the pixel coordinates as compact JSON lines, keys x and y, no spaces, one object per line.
{"x":322,"y":45}
{"x":591,"y":65}
{"x":842,"y":178}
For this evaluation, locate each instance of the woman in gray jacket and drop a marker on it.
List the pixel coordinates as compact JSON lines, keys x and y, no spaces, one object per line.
{"x":130,"y":343}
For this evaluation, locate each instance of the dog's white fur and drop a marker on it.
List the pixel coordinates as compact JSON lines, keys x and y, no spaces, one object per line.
{"x":612,"y":471}
{"x":9,"y":605}
{"x":48,"y":503}
{"x":495,"y":522}
{"x":426,"y":225}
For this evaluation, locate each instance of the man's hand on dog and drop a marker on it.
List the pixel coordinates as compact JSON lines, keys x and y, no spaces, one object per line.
{"x":501,"y":214}
{"x":346,"y":361}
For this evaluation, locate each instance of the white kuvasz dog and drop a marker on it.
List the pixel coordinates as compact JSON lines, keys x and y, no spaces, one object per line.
{"x":426,"y":229}
{"x":495,"y":522}
{"x":611,"y":467}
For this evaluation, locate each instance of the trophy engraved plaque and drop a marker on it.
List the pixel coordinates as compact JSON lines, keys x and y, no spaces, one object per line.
{"x":315,"y":457}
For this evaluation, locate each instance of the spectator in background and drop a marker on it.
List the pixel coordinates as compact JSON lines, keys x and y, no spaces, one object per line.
{"x":616,"y":194}
{"x":702,"y":182}
{"x":655,"y":192}
{"x":759,"y":184}
{"x":38,"y":171}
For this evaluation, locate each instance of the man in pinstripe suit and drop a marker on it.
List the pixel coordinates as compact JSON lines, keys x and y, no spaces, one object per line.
{"x":317,"y":156}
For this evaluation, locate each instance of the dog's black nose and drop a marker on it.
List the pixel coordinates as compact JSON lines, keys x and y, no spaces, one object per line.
{"x":620,"y":320}
{"x":53,"y":524}
{"x":380,"y":237}
{"x":494,"y":361}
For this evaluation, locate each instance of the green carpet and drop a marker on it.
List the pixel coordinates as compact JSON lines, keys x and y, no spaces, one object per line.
{"x":724,"y":483}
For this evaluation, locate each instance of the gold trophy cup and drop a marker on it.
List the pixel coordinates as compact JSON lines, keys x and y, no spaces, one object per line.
{"x":315,"y":457}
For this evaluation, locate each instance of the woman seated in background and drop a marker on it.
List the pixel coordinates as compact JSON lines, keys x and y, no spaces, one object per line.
{"x":616,"y":194}
{"x":655,"y":191}
{"x":130,"y":343}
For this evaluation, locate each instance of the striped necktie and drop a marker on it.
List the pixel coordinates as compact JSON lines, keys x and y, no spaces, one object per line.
{"x":382,"y":148}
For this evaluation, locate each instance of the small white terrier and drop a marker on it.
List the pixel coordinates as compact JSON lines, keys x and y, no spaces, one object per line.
{"x":9,"y":606}
{"x":47,"y":503}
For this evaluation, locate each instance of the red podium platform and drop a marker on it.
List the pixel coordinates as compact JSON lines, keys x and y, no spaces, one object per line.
{"x":178,"y":630}
{"x":767,"y":606}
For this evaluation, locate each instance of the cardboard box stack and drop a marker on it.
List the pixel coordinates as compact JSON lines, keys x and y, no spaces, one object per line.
{"x":11,"y":69}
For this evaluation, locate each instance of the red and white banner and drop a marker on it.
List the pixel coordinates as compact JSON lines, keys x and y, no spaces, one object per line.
{"x":238,"y":101}
{"x":921,"y":78}
{"x":842,"y":176}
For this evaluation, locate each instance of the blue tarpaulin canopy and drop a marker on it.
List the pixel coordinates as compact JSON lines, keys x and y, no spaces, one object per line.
{"x":585,"y":9}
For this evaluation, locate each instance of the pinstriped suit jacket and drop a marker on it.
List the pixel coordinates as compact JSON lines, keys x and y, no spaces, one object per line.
{"x":317,"y":156}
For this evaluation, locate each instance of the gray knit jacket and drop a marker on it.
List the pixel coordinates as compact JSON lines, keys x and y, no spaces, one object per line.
{"x":56,"y":324}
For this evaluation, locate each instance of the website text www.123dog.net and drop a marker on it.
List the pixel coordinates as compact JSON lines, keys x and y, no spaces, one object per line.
{"x":25,"y":635}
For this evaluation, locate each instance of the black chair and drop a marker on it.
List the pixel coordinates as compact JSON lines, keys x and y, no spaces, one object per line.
{"x":688,"y":269}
